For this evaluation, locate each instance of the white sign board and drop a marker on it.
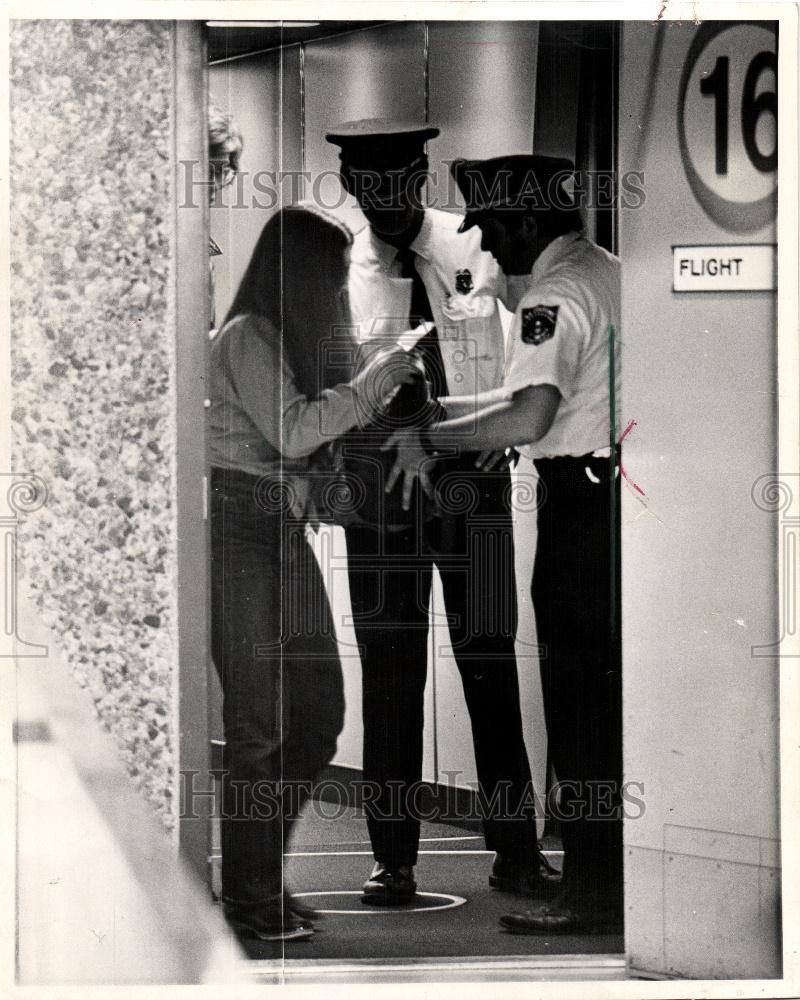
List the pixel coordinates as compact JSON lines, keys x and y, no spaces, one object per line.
{"x":725,"y":268}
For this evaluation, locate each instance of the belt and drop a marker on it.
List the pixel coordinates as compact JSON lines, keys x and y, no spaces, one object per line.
{"x":595,"y":466}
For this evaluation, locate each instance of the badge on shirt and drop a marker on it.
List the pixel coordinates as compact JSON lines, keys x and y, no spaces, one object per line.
{"x":538,"y":324}
{"x":464,"y":281}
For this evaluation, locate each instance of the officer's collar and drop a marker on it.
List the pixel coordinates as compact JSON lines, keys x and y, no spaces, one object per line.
{"x":551,"y":252}
{"x":421,"y":244}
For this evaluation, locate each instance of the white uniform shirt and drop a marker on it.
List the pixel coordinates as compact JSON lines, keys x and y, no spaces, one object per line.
{"x":463,"y":284}
{"x":560,"y":337}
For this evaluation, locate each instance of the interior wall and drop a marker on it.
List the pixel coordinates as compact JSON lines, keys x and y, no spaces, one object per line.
{"x":558,"y":81}
{"x":699,"y":550}
{"x":481,"y":95}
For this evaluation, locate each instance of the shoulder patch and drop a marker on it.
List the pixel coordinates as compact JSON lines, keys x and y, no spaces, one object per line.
{"x":538,"y":324}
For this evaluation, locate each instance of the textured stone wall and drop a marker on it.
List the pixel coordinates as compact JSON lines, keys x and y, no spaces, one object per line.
{"x":93,"y":365}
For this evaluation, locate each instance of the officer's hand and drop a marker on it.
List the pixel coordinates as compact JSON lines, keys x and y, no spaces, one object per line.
{"x":386,"y":370}
{"x":412,"y":462}
{"x":496,"y":461}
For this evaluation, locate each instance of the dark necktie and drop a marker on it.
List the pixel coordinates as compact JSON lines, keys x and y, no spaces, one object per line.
{"x":420,"y":311}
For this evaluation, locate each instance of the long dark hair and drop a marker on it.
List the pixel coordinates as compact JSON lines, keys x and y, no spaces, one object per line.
{"x":296,"y":279}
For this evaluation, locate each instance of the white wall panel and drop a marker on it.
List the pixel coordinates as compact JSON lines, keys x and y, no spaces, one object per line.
{"x":482,"y":86}
{"x":374,"y":73}
{"x":330,"y":548}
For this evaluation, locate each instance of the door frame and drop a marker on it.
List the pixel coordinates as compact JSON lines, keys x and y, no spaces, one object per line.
{"x":192,"y":775}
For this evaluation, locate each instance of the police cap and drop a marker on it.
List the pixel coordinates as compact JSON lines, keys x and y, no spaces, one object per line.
{"x":381,"y":141}
{"x":374,"y":128}
{"x":512,"y":182}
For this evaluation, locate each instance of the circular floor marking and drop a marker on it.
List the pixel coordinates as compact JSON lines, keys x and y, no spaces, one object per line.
{"x":371,"y":911}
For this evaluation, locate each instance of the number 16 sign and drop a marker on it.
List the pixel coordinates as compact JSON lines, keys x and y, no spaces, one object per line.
{"x":728,"y":122}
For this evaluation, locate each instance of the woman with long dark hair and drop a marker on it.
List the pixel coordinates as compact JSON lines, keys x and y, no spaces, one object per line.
{"x":275,"y":400}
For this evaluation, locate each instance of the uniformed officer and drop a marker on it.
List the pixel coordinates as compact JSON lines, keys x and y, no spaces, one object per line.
{"x":559,"y":388}
{"x":413,"y":262}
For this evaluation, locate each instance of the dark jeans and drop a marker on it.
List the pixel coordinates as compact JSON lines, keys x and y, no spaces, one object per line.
{"x":390,"y":585}
{"x":576,"y":600}
{"x":274,"y":647}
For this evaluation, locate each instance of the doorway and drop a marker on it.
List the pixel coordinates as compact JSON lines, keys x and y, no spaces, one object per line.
{"x":491,"y":88}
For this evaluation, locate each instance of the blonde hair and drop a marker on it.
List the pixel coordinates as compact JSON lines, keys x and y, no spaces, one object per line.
{"x":224,"y":135}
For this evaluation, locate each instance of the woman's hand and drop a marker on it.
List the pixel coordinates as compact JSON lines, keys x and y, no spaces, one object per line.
{"x":412,"y":462}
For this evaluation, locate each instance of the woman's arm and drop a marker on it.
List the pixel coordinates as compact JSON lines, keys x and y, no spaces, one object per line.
{"x":292,"y":423}
{"x":308,"y":423}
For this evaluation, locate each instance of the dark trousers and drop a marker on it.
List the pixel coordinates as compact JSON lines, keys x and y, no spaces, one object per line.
{"x":576,"y":600}
{"x":390,"y":585}
{"x":274,"y":647}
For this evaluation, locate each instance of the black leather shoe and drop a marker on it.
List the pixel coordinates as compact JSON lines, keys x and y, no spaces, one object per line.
{"x":266,"y":922}
{"x":564,"y":919}
{"x":538,"y":880}
{"x":389,"y":886}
